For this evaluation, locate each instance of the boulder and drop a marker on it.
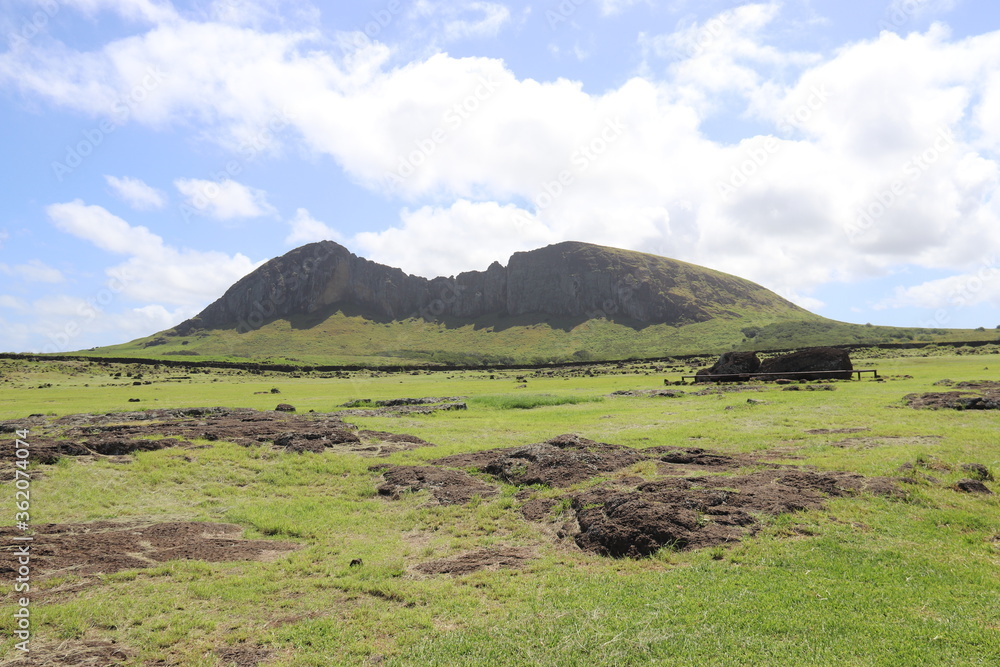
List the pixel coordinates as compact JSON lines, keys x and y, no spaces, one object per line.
{"x":799,"y":365}
{"x":730,"y":363}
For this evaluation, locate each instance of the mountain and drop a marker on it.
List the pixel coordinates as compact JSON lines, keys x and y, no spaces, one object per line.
{"x":574,"y":280}
{"x":321,"y":304}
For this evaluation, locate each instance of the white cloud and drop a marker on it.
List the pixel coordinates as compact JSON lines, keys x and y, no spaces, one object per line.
{"x":610,"y":7}
{"x":34,"y":271}
{"x":12,"y":302}
{"x":958,"y":291}
{"x":455,"y":21}
{"x":154,"y":271}
{"x":134,"y":10}
{"x":466,"y":236}
{"x":225,"y":200}
{"x":306,"y":229}
{"x":103,"y":229}
{"x":136,"y":193}
{"x":468,"y":141}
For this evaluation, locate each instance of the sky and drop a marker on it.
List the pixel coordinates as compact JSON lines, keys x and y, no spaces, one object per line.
{"x":843,"y":153}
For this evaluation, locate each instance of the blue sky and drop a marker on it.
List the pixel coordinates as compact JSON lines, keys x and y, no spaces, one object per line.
{"x":844,"y":154}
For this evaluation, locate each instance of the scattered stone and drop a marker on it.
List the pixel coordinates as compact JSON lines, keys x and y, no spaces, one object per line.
{"x":356,"y":562}
{"x":988,"y":399}
{"x":285,"y":407}
{"x":972,"y":486}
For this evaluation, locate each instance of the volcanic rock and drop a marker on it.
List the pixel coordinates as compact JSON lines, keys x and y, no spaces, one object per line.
{"x":798,"y":365}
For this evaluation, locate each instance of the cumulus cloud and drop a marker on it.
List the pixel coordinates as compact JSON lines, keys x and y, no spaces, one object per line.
{"x":223,"y":200}
{"x":466,"y":236}
{"x":958,"y":291}
{"x":135,"y":193}
{"x":33,"y":271}
{"x":452,"y":21}
{"x":154,"y":272}
{"x":306,"y":229}
{"x":846,"y":178}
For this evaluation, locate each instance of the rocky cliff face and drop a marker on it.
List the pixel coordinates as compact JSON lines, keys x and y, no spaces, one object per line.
{"x":571,"y":279}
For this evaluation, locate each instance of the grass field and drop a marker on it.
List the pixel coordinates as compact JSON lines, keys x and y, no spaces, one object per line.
{"x":868,"y":580}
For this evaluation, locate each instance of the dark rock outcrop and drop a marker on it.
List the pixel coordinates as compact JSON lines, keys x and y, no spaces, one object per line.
{"x":799,"y":365}
{"x":731,"y":363}
{"x":571,"y":280}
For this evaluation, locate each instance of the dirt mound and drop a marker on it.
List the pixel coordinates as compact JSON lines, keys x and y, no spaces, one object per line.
{"x":103,"y":547}
{"x":481,"y":559}
{"x":561,"y":461}
{"x":400,"y":410}
{"x":448,"y":487}
{"x":825,"y":431}
{"x":988,"y":399}
{"x":122,"y":433}
{"x":243,"y":656}
{"x":688,"y":513}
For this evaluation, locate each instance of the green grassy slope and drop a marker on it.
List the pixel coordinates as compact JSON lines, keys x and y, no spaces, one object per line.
{"x":352,"y":339}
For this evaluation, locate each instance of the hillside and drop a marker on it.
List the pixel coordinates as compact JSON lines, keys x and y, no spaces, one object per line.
{"x":571,"y":301}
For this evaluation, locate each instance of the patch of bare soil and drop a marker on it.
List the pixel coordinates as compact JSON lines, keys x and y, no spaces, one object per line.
{"x":82,"y":652}
{"x":103,"y":547}
{"x":871,"y":443}
{"x":983,"y":395}
{"x":243,"y":656}
{"x":122,"y":433}
{"x":727,"y":389}
{"x":561,"y":461}
{"x":402,"y":410}
{"x":480,"y":559}
{"x":690,"y":513}
{"x":825,"y":431}
{"x":448,"y":487}
{"x":633,"y":517}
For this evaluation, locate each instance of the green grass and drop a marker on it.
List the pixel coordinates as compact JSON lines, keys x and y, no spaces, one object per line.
{"x":867,"y":581}
{"x":343,"y":339}
{"x":528,"y":401}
